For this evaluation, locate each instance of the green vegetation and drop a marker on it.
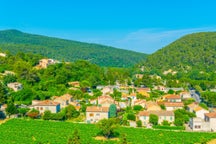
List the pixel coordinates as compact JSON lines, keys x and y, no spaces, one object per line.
{"x":34,"y":131}
{"x":153,"y":119}
{"x":67,"y":50}
{"x":192,"y":52}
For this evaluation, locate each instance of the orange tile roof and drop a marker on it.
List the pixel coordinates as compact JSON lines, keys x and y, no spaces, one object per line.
{"x":158,"y":113}
{"x":192,"y":105}
{"x":211,"y":115}
{"x":63,"y":97}
{"x":47,"y":103}
{"x":173,"y":104}
{"x":97,"y":109}
{"x":172,"y":97}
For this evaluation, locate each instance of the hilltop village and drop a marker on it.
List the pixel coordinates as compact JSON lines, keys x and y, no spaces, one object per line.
{"x":133,"y":105}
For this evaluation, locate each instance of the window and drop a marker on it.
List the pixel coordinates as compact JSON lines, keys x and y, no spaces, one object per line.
{"x":164,"y":117}
{"x":46,"y":108}
{"x":144,"y":117}
{"x":97,"y":114}
{"x":197,"y":126}
{"x":171,"y":118}
{"x":91,"y":114}
{"x":41,"y":108}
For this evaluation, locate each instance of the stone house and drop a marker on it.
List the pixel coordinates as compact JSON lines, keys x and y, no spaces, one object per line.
{"x":15,"y":86}
{"x":95,"y":113}
{"x":144,"y":116}
{"x":42,"y":106}
{"x":64,"y":100}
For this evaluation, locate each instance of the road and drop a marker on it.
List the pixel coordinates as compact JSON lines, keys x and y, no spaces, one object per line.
{"x":195,"y":96}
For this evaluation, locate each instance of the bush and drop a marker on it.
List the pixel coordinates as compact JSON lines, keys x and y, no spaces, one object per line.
{"x":131,"y":116}
{"x":139,"y":123}
{"x":165,"y":123}
{"x":137,"y":107}
{"x":169,"y":127}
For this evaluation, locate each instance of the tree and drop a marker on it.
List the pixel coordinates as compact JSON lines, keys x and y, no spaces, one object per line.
{"x":139,"y":123}
{"x":165,"y":123}
{"x":47,"y":115}
{"x":75,"y":139}
{"x":9,"y":78}
{"x":137,"y":107}
{"x":131,"y":116}
{"x":11,"y":109}
{"x":112,"y":111}
{"x":107,"y":127}
{"x":2,"y":93}
{"x":153,"y":119}
{"x":23,"y":111}
{"x":70,"y":112}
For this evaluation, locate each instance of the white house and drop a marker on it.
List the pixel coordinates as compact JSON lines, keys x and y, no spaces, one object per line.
{"x":42,"y":106}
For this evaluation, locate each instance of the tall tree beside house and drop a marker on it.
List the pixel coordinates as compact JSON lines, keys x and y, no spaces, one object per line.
{"x":2,"y":93}
{"x":11,"y":109}
{"x":112,"y":111}
{"x":75,"y":139}
{"x":153,"y":119}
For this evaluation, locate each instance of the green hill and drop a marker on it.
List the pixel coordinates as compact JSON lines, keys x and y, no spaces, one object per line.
{"x":68,"y":50}
{"x":193,"y":51}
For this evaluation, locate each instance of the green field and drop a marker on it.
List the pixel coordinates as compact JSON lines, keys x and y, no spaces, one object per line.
{"x":18,"y":131}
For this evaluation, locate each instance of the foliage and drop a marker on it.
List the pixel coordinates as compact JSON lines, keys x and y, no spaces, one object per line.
{"x":137,"y":107}
{"x":23,"y":111}
{"x":131,"y":116}
{"x":58,"y":133}
{"x":169,"y":127}
{"x":123,"y":139}
{"x":75,"y":138}
{"x":163,"y":107}
{"x":139,"y":123}
{"x":203,"y":105}
{"x":70,"y":112}
{"x":9,"y":79}
{"x":16,"y":41}
{"x":2,"y":93}
{"x":112,"y":111}
{"x":153,"y":119}
{"x":210,"y":97}
{"x":165,"y":123}
{"x":182,"y":116}
{"x":11,"y":109}
{"x":107,"y":127}
{"x":33,"y":113}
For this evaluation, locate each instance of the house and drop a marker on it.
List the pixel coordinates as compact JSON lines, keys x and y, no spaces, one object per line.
{"x":171,"y":106}
{"x":185,"y":95}
{"x":160,"y":88}
{"x":139,"y":76}
{"x":74,"y":84}
{"x":15,"y":86}
{"x":107,"y":90}
{"x":143,"y":91}
{"x":44,"y":63}
{"x":3,"y":55}
{"x":140,"y":102}
{"x":105,"y":101}
{"x":64,"y":100}
{"x":211,"y":118}
{"x":144,"y":116}
{"x":95,"y":113}
{"x":152,"y":106}
{"x":197,"y":124}
{"x":199,"y":111}
{"x":192,"y":106}
{"x":42,"y":106}
{"x":172,"y":98}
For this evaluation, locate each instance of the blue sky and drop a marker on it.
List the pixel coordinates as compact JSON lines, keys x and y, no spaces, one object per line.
{"x":138,"y":25}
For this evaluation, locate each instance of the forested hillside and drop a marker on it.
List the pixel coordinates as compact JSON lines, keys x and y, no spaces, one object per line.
{"x":67,"y":50}
{"x":194,"y":51}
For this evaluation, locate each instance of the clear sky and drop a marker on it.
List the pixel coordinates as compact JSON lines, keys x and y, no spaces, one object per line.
{"x":138,"y":25}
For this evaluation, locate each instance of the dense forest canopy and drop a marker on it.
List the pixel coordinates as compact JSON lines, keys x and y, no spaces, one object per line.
{"x":192,"y":52}
{"x":68,"y":50}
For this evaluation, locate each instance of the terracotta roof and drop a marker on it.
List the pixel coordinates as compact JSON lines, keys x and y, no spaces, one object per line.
{"x":63,"y":97}
{"x":105,"y":97}
{"x":158,"y":113}
{"x":172,"y":97}
{"x":47,"y":103}
{"x":211,"y":115}
{"x":139,"y":101}
{"x":192,"y":105}
{"x":97,"y":109}
{"x":143,"y":89}
{"x":173,"y":104}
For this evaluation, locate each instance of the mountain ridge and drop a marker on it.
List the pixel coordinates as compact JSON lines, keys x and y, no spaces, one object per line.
{"x":68,"y":50}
